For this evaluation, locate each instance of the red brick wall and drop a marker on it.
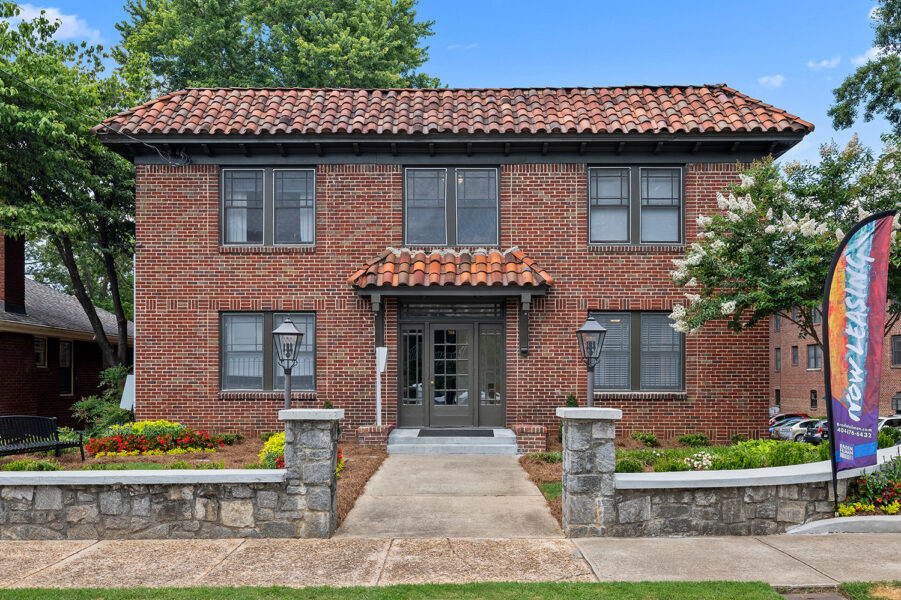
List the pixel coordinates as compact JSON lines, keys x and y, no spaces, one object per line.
{"x":31,"y":390}
{"x":796,"y":382}
{"x":185,"y":280}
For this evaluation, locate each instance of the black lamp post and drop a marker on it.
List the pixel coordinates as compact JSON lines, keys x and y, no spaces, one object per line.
{"x":287,"y":338}
{"x":591,"y":338}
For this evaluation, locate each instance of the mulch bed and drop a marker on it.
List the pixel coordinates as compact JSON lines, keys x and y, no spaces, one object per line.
{"x":360,"y":463}
{"x":542,"y":472}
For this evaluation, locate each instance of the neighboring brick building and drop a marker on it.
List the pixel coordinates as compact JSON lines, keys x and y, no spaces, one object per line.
{"x":794,"y":384}
{"x":469,"y":231}
{"x":48,"y":357}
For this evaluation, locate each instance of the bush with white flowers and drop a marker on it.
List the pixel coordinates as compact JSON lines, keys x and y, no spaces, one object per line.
{"x":769,"y":247}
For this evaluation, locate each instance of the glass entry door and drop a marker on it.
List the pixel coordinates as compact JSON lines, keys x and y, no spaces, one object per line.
{"x":451,"y":375}
{"x":451,"y":378}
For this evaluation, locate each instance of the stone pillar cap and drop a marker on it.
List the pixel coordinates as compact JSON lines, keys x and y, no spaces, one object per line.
{"x":589,"y":413}
{"x":311,"y":414}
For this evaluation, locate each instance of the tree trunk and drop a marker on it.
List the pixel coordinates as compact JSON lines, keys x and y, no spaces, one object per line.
{"x":112,"y":277}
{"x":64,"y":247}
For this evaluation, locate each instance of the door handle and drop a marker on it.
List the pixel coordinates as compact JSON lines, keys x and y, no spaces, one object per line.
{"x":431,"y":383}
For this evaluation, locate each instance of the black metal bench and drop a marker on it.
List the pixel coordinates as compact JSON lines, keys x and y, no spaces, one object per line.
{"x":20,"y":434}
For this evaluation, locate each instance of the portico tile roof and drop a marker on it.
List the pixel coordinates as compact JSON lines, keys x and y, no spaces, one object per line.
{"x":403,"y":267}
{"x":713,"y":108}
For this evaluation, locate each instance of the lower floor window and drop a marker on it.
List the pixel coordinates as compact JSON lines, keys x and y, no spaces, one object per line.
{"x":65,"y":369}
{"x":249,"y":361}
{"x":814,"y":356}
{"x":641,"y":352}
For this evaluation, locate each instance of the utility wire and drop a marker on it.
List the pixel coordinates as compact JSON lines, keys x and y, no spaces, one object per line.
{"x":165,"y":156}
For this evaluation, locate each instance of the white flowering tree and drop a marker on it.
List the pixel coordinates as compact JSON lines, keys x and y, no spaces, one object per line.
{"x":769,"y":248}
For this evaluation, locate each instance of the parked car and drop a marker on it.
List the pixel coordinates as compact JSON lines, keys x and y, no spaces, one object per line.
{"x":783,"y":423}
{"x":817,"y":432}
{"x":793,"y":431}
{"x":777,"y":419}
{"x":892,"y":421}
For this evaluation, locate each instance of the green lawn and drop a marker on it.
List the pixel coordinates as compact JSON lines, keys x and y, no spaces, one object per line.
{"x":865,"y":591}
{"x":551,"y":490}
{"x":716,"y":590}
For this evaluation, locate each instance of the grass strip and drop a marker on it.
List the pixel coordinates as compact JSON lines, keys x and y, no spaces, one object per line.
{"x":713,"y":590}
{"x":872,"y":590}
{"x":551,"y":490}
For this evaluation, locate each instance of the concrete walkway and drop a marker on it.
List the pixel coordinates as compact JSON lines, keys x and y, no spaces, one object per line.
{"x":451,"y":496}
{"x":779,"y":560}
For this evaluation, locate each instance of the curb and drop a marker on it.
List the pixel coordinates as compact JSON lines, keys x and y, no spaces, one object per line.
{"x":873,"y":524}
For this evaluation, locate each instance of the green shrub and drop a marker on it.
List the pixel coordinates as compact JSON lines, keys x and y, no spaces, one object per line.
{"x":28,"y":464}
{"x":888,"y":437}
{"x":648,"y":439}
{"x":629,"y":465}
{"x":823,"y":449}
{"x":738,"y":437}
{"x":546,"y":457}
{"x":266,"y":435}
{"x":98,"y":413}
{"x":572,"y":401}
{"x":210,"y":465}
{"x":694,"y":440}
{"x":181,"y":464}
{"x":666,"y":464}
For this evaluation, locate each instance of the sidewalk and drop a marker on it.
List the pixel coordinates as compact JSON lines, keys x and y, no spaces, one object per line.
{"x":778,"y":560}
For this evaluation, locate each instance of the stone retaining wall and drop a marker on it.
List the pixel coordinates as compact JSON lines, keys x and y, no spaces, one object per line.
{"x":758,"y":510}
{"x":299,"y":501}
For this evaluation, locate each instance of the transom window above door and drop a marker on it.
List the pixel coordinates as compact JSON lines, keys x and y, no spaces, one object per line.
{"x":451,"y":207}
{"x":635,"y":205}
{"x":268,"y":207}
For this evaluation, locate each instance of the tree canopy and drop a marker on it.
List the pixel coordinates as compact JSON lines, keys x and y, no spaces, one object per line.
{"x":876,"y":85}
{"x":276,"y":43}
{"x":58,"y":183}
{"x":770,"y":249}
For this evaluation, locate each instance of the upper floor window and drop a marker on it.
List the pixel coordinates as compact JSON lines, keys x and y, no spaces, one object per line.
{"x":641,"y":352}
{"x":794,"y":356}
{"x":451,"y":207}
{"x":777,"y":323}
{"x":816,"y":315}
{"x":616,"y":215}
{"x":266,"y":207}
{"x":896,"y":350}
{"x":814,"y":356}
{"x":778,"y":360}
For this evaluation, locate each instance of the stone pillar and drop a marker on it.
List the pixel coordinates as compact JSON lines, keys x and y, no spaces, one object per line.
{"x":589,"y":463}
{"x":311,"y":456}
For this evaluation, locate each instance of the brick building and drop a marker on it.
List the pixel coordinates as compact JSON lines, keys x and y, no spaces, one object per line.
{"x":471,"y":232}
{"x":48,"y":357}
{"x":796,"y":371}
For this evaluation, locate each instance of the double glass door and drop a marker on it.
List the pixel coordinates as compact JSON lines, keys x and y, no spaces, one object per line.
{"x":451,"y":375}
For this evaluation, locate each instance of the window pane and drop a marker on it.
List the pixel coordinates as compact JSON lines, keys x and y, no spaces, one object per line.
{"x":896,"y":349}
{"x":65,"y":368}
{"x":795,"y":355}
{"x":661,"y":202}
{"x":425,"y":210}
{"x":243,"y":202}
{"x":303,"y":376}
{"x":661,"y":353}
{"x":411,"y":372}
{"x":614,"y":368}
{"x":778,"y":359}
{"x":242,"y":351}
{"x":476,"y":206}
{"x":294,"y":208}
{"x":608,"y":200}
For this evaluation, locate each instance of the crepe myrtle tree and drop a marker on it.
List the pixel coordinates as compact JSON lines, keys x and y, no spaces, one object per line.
{"x":769,"y":248}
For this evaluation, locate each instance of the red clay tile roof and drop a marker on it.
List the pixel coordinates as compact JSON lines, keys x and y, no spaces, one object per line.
{"x":631,"y":109}
{"x":445,"y":267}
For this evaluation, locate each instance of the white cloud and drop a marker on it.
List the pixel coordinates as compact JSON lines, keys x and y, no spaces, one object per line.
{"x":771,"y":81}
{"x":871,"y":54}
{"x":826,"y":63}
{"x":874,"y":13}
{"x":72,"y":27}
{"x":463,"y":47}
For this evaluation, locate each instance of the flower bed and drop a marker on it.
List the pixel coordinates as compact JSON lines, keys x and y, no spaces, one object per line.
{"x":875,"y":493}
{"x":273,"y":454}
{"x":154,"y":437}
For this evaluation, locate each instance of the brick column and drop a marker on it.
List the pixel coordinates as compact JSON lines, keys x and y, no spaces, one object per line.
{"x":589,"y":462}
{"x":311,"y":456}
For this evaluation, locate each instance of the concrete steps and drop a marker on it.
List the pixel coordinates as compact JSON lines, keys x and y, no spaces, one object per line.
{"x":407,"y":441}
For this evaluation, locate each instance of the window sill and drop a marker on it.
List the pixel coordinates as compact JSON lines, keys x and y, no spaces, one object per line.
{"x":636,"y":248}
{"x":819,"y":369}
{"x":264,"y":395}
{"x":640,"y":395}
{"x":311,"y":249}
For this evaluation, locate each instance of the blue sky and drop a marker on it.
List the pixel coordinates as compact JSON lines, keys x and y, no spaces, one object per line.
{"x":789,"y":53}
